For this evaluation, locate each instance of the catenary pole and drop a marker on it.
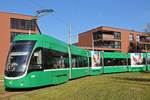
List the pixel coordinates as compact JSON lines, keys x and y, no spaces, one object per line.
{"x":93,"y":42}
{"x":69,"y":49}
{"x":146,"y":58}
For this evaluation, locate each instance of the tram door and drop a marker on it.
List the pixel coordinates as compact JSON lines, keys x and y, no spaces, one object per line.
{"x":36,"y":69}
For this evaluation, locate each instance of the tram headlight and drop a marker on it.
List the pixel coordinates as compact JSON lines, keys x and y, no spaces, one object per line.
{"x":22,"y":83}
{"x":10,"y":82}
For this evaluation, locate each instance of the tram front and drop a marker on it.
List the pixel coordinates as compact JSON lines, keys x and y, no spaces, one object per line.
{"x":17,"y":64}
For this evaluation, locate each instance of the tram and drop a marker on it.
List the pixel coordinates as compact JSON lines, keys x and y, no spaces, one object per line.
{"x":40,"y":60}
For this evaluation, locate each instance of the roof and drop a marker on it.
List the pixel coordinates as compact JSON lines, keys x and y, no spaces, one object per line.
{"x":110,"y":27}
{"x":15,"y":14}
{"x":46,"y":41}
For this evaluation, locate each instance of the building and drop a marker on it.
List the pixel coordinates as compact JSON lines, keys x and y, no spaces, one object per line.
{"x":12,"y":25}
{"x":114,"y":40}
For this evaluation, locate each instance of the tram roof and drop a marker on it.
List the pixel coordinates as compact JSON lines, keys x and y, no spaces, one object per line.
{"x":50,"y":40}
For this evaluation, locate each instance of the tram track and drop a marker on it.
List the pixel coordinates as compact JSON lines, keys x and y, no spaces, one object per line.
{"x":8,"y":94}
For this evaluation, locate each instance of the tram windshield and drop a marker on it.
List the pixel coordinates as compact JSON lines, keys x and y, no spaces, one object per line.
{"x":18,"y":57}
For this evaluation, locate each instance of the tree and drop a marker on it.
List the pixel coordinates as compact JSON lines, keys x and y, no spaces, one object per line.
{"x":147,"y":29}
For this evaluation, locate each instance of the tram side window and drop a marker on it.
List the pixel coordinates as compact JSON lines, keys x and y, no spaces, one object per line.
{"x":148,"y":61}
{"x":114,"y":62}
{"x":129,"y":61}
{"x":36,"y":60}
{"x":144,"y":61}
{"x":79,"y":61}
{"x":90,"y":63}
{"x":53,"y":59}
{"x":82,"y":61}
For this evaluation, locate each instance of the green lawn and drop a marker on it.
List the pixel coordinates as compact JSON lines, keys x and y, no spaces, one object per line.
{"x":120,"y":86}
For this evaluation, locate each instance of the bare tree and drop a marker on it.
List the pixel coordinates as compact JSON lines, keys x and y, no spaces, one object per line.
{"x":147,"y":29}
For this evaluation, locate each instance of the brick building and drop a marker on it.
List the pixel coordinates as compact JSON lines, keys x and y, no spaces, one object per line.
{"x":12,"y":25}
{"x":114,"y":40}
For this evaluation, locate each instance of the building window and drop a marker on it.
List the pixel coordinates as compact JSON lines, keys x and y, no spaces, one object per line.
{"x":132,"y":47}
{"x":117,"y":45}
{"x":138,"y":37}
{"x":131,"y":37}
{"x":117,"y":35}
{"x":107,"y":44}
{"x":14,"y":34}
{"x":22,"y":24}
{"x":97,"y":35}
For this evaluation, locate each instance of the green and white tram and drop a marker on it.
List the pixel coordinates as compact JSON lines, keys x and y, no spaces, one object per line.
{"x":39,"y":60}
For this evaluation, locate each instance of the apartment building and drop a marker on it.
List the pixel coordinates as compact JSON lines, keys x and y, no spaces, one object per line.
{"x":110,"y":39}
{"x":12,"y":25}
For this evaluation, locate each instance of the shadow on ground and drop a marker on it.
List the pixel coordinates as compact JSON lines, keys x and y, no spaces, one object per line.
{"x":146,"y":72}
{"x":25,"y":89}
{"x":133,"y":79}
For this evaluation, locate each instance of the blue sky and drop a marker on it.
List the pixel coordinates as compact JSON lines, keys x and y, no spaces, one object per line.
{"x":83,"y":15}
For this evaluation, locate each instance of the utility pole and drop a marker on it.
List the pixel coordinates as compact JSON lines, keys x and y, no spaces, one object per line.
{"x":69,"y":49}
{"x":70,"y":34}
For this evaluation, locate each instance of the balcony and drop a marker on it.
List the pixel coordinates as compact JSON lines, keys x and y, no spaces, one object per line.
{"x":143,"y":46}
{"x":110,"y":35}
{"x":107,"y":44}
{"x":145,"y":39}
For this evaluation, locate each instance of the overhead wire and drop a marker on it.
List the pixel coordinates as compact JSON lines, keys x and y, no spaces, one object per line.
{"x":36,"y":4}
{"x":40,"y":6}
